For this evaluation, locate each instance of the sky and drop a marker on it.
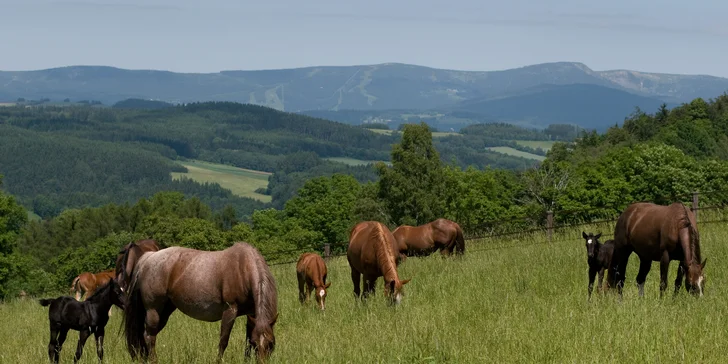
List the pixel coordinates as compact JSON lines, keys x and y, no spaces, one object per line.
{"x":664,"y":36}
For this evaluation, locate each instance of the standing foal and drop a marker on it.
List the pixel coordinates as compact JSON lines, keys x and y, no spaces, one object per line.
{"x":598,"y":257}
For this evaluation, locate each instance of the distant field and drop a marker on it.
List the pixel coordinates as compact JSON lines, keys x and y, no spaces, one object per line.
{"x":352,"y":161}
{"x":7,"y":104}
{"x":543,"y":144}
{"x":516,"y":153}
{"x":242,"y":182}
{"x":435,"y":134}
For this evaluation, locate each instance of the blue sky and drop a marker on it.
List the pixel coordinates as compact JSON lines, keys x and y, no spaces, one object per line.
{"x":191,"y":36}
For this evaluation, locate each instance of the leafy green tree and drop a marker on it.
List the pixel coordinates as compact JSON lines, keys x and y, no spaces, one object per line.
{"x":12,"y":219}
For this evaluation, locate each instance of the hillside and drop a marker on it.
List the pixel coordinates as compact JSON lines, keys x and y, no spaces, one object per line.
{"x":363,"y":87}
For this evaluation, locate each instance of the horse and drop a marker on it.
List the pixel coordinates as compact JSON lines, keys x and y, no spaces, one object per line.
{"x":89,"y":316}
{"x":123,"y":274}
{"x":598,"y":257}
{"x":423,"y":240}
{"x":205,"y":285}
{"x":371,"y":253}
{"x":658,"y":233}
{"x":86,"y":283}
{"x":311,"y":272}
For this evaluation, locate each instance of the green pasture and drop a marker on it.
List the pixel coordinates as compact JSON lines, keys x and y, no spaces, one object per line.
{"x":242,"y":182}
{"x":516,"y":153}
{"x":353,"y":162}
{"x":543,"y":144}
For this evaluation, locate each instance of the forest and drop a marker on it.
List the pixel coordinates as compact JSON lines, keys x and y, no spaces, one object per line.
{"x":661,"y":157}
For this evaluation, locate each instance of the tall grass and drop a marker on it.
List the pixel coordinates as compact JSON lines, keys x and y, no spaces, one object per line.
{"x":507,"y":300}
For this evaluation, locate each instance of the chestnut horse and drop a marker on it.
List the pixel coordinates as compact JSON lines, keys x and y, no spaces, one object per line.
{"x":425,"y":239}
{"x":658,"y":233}
{"x":311,"y":272}
{"x":86,"y":283}
{"x":371,"y":253}
{"x":205,"y":285}
{"x":123,"y":274}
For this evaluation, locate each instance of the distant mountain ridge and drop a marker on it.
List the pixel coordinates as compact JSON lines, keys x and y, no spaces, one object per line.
{"x":367,"y":87}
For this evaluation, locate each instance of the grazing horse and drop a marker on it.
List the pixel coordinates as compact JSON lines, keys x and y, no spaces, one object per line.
{"x":311,"y":272}
{"x":205,"y":285}
{"x":597,"y":257}
{"x":89,"y":316}
{"x":658,"y":233}
{"x":88,"y":282}
{"x":371,"y":253}
{"x":425,"y":239}
{"x":123,"y":274}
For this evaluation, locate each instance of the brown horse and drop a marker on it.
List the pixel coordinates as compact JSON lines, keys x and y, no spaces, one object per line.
{"x":372,"y":251}
{"x":123,"y":274}
{"x":311,"y":272}
{"x":205,"y":285}
{"x":442,"y":234}
{"x":86,"y":283}
{"x":658,"y":233}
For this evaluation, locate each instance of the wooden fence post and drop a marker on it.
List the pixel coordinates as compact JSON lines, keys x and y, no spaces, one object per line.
{"x":695,"y":205}
{"x":327,"y":251}
{"x":550,"y":223}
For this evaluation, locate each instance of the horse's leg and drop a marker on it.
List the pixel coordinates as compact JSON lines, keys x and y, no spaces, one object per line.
{"x":226,"y":326}
{"x":601,"y":278}
{"x":645,"y":265}
{"x":621,"y":268}
{"x":155,"y":322}
{"x":679,"y":279}
{"x":664,"y":267}
{"x":309,"y":289}
{"x":82,"y":337}
{"x":592,"y":275}
{"x":249,"y":326}
{"x":369,"y":285}
{"x":53,"y":346}
{"x":99,"y":336}
{"x":356,"y":279}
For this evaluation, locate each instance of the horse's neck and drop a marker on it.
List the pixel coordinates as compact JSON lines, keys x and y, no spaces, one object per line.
{"x":264,"y":310}
{"x":386,"y":262}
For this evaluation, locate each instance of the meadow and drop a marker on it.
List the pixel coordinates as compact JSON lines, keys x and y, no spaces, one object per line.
{"x":242,"y":182}
{"x":543,"y":144}
{"x":435,"y":134}
{"x":354,"y":162}
{"x":516,"y":153}
{"x":508,"y":300}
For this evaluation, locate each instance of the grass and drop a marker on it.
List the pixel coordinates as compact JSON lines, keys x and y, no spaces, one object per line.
{"x":242,"y":182}
{"x":516,"y":153}
{"x":509,"y":300}
{"x":543,"y":144}
{"x":354,"y":162}
{"x":435,"y":134}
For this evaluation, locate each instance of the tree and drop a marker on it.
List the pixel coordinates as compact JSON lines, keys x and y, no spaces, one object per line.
{"x":412,"y":188}
{"x":12,"y":219}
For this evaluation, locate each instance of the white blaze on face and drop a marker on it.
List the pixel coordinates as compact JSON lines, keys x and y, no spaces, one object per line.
{"x":700,"y":285}
{"x":398,"y":298}
{"x":322,"y":293}
{"x":589,"y":241}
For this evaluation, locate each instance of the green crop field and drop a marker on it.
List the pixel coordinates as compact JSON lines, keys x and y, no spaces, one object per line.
{"x":543,"y":144}
{"x":242,"y":182}
{"x":435,"y":134}
{"x":353,"y":162}
{"x":516,"y":153}
{"x":514,"y":300}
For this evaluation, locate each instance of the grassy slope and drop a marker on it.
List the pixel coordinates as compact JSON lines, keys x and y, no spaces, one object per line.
{"x":354,"y":162}
{"x":242,"y":182}
{"x":516,"y":153}
{"x":435,"y":134}
{"x":516,"y":304}
{"x":543,"y":144}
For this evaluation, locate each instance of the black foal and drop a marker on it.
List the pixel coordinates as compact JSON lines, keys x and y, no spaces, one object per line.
{"x":598,"y":257}
{"x":89,"y":316}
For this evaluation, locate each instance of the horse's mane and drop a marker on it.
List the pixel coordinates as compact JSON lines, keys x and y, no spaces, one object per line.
{"x":694,"y":236}
{"x":266,"y":301}
{"x":383,"y":251}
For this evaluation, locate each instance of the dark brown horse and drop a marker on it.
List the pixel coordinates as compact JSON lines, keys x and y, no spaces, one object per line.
{"x":311,"y":273}
{"x":442,"y":234}
{"x":598,"y":256}
{"x":86,"y":283}
{"x":205,"y":285}
{"x":372,"y":251}
{"x":123,"y":274}
{"x":658,"y":233}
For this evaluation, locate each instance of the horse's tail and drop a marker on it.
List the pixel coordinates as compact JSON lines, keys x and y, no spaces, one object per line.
{"x":134,"y":315}
{"x":45,"y":301}
{"x":75,"y":289}
{"x":460,"y":241}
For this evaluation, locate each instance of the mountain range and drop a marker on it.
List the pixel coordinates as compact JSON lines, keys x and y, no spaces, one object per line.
{"x":533,"y":95}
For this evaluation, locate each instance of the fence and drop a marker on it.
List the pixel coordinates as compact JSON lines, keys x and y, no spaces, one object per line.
{"x":524,"y":229}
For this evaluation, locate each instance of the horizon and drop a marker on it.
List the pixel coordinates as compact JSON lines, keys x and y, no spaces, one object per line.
{"x":186,"y":36}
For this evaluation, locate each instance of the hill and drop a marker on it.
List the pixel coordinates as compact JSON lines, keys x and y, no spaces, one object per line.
{"x":362,"y":87}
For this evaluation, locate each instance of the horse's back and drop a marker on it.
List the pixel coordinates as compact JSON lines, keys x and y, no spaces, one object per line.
{"x":362,"y":251}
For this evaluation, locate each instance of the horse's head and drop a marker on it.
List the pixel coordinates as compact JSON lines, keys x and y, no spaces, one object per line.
{"x":394,"y":292}
{"x":117,"y":294}
{"x":261,"y":338}
{"x":695,"y":279}
{"x":592,"y":244}
{"x":321,"y":293}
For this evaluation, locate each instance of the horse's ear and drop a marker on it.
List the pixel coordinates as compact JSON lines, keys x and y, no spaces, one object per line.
{"x":598,"y":235}
{"x":405,"y":281}
{"x":391,"y":286}
{"x":583,"y":234}
{"x":327,"y":285}
{"x":273,"y":322}
{"x":702,"y":265}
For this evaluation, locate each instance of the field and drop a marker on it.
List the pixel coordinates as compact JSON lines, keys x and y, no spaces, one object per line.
{"x":242,"y":182}
{"x":353,"y":162}
{"x":516,"y":153}
{"x":506,"y":301}
{"x":543,"y":144}
{"x":435,"y":134}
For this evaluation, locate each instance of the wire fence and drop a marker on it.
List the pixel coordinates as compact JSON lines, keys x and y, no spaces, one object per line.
{"x":542,"y":230}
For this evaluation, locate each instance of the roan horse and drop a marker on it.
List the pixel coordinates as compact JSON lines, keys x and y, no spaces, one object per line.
{"x":658,"y":233}
{"x":425,"y":239}
{"x":205,"y":285}
{"x":311,"y":273}
{"x":88,"y":282}
{"x":371,"y":252}
{"x":598,"y":256}
{"x":123,"y":274}
{"x":89,"y":316}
